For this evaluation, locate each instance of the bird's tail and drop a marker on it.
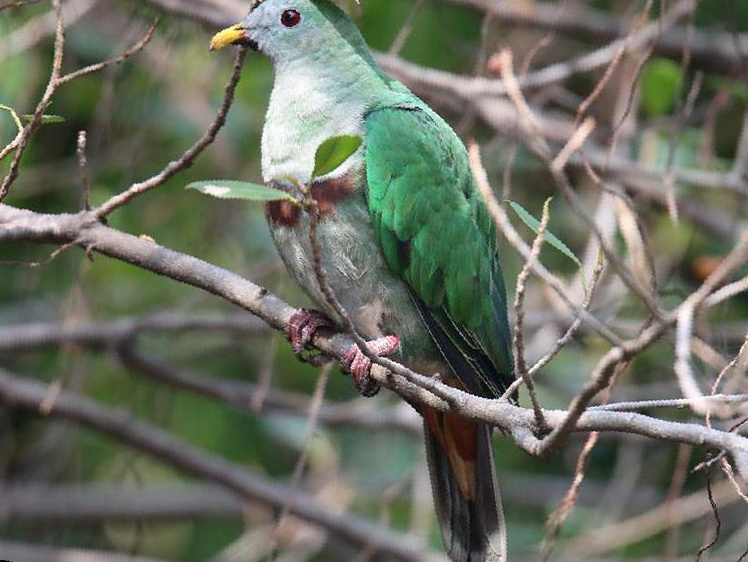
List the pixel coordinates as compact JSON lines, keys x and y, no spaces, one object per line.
{"x":466,"y":494}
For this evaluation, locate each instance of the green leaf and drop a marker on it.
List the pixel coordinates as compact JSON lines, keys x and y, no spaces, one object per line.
{"x":551,"y":238}
{"x":333,"y":152}
{"x":231,"y":189}
{"x":660,"y":86}
{"x":46,"y":119}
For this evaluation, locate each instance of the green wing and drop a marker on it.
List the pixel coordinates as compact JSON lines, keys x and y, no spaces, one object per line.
{"x":435,"y":232}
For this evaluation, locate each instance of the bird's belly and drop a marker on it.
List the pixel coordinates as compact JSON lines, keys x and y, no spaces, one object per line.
{"x":376,"y":300}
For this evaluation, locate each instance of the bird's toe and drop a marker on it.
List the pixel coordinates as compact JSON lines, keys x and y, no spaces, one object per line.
{"x":303,"y":326}
{"x":359,"y":365}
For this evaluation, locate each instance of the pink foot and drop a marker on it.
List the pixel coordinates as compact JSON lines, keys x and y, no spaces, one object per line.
{"x":303,"y":326}
{"x":359,"y":365}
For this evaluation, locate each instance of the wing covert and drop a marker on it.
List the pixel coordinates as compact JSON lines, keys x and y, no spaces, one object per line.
{"x":435,"y":232}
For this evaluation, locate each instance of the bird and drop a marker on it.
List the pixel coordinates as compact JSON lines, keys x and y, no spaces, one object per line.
{"x":405,"y":240}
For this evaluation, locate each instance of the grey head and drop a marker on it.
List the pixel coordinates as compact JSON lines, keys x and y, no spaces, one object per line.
{"x":293,"y":29}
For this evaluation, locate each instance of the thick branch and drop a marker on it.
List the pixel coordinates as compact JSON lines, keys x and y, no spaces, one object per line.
{"x":36,"y":553}
{"x":29,"y":337}
{"x":97,"y":502}
{"x":109,"y":502}
{"x":712,"y":51}
{"x":143,"y":436}
{"x":18,"y":224}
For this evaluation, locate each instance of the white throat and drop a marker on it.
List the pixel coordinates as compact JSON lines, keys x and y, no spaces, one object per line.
{"x":308,"y":105}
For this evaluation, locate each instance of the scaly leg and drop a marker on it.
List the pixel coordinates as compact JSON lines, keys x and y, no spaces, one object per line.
{"x":359,"y":365}
{"x":303,"y":326}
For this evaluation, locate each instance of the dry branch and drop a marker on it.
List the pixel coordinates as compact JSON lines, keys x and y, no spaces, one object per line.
{"x":36,"y":553}
{"x":712,"y":51}
{"x":83,"y":230}
{"x":19,"y":392}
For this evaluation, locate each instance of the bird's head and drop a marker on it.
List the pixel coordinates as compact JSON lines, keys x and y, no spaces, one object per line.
{"x":287,"y":29}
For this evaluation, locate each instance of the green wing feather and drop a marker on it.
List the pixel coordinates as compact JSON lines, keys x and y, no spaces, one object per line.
{"x":435,"y":232}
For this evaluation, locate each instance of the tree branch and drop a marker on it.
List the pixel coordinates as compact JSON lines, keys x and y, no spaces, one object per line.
{"x":86,"y":232}
{"x":32,"y":336}
{"x":120,"y":425}
{"x":711,"y":51}
{"x":36,"y":553}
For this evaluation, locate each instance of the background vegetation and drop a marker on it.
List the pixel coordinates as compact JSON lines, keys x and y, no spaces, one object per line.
{"x":661,"y":172}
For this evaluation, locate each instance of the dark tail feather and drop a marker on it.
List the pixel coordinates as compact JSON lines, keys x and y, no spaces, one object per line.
{"x":473,"y":531}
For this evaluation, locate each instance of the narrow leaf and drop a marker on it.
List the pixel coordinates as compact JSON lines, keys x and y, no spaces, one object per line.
{"x":333,"y":152}
{"x":231,"y":189}
{"x":551,"y":238}
{"x":46,"y":119}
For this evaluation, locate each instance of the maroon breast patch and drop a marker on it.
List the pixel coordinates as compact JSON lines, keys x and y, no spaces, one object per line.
{"x":327,"y":193}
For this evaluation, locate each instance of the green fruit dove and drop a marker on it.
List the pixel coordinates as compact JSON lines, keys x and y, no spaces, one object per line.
{"x":407,"y":245}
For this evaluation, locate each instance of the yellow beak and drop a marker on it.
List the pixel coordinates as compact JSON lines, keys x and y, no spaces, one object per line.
{"x":229,"y":36}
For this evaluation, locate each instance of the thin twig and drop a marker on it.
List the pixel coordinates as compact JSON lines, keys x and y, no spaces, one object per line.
{"x":312,"y":421}
{"x":406,"y":29}
{"x":36,"y":119}
{"x":541,"y":148}
{"x":189,"y":156}
{"x":505,"y":226}
{"x":561,"y":513}
{"x":85,"y":176}
{"x":98,"y":67}
{"x":519,"y":300}
{"x":572,"y":330}
{"x":717,"y":519}
{"x":672,"y":402}
{"x":575,"y":143}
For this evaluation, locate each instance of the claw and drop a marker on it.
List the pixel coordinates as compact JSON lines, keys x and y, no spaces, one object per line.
{"x":359,"y":365}
{"x":303,"y":326}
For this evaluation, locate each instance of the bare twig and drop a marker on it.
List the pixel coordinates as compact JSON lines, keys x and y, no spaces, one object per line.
{"x":714,"y":51}
{"x":189,"y":156}
{"x":301,"y":464}
{"x":542,"y":149}
{"x":85,"y":176}
{"x":519,"y":299}
{"x":572,"y":330}
{"x":613,"y":536}
{"x":707,"y":546}
{"x":36,"y":553}
{"x":499,"y":216}
{"x":575,"y":143}
{"x":36,"y":120}
{"x":561,"y":513}
{"x":406,"y":29}
{"x":685,"y":316}
{"x":614,"y":63}
{"x":98,"y":67}
{"x":673,"y":402}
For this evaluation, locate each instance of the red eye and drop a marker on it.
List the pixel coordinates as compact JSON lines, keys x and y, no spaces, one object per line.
{"x":290,"y":18}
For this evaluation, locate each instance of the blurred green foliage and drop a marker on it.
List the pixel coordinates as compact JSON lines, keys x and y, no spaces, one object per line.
{"x":661,"y":83}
